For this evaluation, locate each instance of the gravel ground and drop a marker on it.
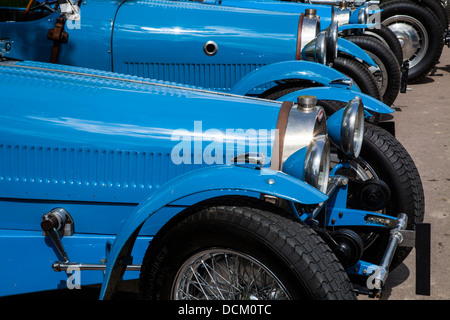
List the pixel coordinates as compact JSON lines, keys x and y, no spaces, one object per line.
{"x":422,"y":120}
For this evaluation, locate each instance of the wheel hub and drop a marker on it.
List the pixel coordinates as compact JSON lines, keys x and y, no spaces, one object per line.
{"x":412,"y":36}
{"x":408,"y":38}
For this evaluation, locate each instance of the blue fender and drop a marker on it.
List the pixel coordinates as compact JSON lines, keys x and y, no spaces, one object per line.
{"x":294,"y":69}
{"x":213,"y":178}
{"x":330,"y":93}
{"x":352,"y":49}
{"x":361,"y":26}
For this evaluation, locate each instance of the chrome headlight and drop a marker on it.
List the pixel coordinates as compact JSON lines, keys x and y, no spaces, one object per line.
{"x":303,"y":142}
{"x":352,"y":130}
{"x":316,"y":50}
{"x":331,"y":42}
{"x":346,"y":127}
{"x":317,"y":163}
{"x":323,"y":48}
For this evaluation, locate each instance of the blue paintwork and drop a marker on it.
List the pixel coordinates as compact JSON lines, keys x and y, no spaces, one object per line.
{"x":355,"y":26}
{"x":27,"y":257}
{"x":330,"y":93}
{"x":99,"y":144}
{"x":212,"y":178}
{"x":350,"y":48}
{"x":172,"y":49}
{"x":102,"y":150}
{"x":32,"y":34}
{"x":94,"y":117}
{"x":101,"y":147}
{"x":288,"y":70}
{"x":325,"y":12}
{"x":334,"y":127}
{"x":344,"y":217}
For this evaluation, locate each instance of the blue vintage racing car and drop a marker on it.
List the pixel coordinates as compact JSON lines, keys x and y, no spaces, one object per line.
{"x":420,"y":25}
{"x":359,"y":26}
{"x":108,"y":177}
{"x":237,"y":50}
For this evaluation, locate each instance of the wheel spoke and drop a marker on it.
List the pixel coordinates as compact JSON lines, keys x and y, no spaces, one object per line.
{"x":225,"y":274}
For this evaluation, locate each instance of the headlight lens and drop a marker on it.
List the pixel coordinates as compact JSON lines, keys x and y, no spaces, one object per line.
{"x":316,"y":49}
{"x":317,"y":163}
{"x":346,"y":127}
{"x":352,"y":128}
{"x":323,"y":49}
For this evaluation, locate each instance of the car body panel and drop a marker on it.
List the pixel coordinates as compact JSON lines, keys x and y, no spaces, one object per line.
{"x":211,"y":178}
{"x":309,"y":71}
{"x":330,"y":93}
{"x":100,"y":145}
{"x":136,"y":38}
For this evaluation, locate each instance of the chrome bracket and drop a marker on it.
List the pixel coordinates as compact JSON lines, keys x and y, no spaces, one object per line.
{"x":379,"y":276}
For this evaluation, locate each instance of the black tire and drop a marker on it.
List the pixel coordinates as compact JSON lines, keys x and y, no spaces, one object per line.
{"x":389,"y":76}
{"x":295,"y":254}
{"x":353,"y":69}
{"x":330,"y":106}
{"x":360,"y":75}
{"x":435,"y":6}
{"x":286,"y":87}
{"x":391,"y":162}
{"x":447,"y":12}
{"x":385,"y":34}
{"x":438,"y":9}
{"x":425,"y":23}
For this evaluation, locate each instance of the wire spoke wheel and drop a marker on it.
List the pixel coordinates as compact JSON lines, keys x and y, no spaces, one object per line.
{"x":219,"y":274}
{"x":241,"y":252}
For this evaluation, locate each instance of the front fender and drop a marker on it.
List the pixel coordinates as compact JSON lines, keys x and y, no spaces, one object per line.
{"x":213,"y":178}
{"x":294,"y":69}
{"x":361,"y":26}
{"x":352,"y":49}
{"x":330,"y":93}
